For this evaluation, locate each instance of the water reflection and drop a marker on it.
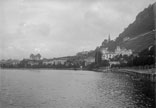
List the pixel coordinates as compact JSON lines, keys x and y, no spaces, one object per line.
{"x":70,"y":89}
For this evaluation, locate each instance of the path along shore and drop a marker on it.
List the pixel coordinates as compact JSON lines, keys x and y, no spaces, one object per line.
{"x":141,"y":74}
{"x":146,"y":74}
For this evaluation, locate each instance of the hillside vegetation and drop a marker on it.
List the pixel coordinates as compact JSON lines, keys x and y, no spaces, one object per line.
{"x":140,"y":34}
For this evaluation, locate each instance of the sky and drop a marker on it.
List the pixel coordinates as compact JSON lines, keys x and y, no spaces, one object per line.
{"x":56,"y":28}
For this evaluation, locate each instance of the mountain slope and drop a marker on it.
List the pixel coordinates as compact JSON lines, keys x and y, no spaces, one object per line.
{"x":141,"y":42}
{"x":139,"y":35}
{"x":143,"y":23}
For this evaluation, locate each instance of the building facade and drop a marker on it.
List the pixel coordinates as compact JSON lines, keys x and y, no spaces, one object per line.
{"x":122,"y":51}
{"x":57,"y":61}
{"x":35,"y":57}
{"x":107,"y":55}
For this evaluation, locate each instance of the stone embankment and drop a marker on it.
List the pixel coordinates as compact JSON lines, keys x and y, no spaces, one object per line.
{"x":147,"y":74}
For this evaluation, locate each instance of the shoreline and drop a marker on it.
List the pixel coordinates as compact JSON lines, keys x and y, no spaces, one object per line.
{"x":42,"y":69}
{"x":141,"y":75}
{"x":147,"y":74}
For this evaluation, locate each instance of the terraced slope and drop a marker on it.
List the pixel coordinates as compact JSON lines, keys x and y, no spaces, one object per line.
{"x":140,"y":42}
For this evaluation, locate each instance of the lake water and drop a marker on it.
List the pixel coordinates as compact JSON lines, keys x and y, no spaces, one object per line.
{"x":73,"y":89}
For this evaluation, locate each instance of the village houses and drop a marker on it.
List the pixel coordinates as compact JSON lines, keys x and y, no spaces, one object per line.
{"x":107,"y":55}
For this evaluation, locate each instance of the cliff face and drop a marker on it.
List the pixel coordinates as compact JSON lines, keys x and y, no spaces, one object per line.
{"x":139,"y":35}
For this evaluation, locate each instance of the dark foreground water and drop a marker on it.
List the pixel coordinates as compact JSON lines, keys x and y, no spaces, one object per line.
{"x":72,"y":89}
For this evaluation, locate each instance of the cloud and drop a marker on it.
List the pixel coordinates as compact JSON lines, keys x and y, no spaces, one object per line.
{"x":62,"y":27}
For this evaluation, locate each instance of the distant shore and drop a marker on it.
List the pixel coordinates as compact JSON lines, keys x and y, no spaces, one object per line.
{"x":45,"y":68}
{"x":146,"y":74}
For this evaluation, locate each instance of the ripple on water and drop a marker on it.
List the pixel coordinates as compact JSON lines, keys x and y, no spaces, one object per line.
{"x":72,"y":89}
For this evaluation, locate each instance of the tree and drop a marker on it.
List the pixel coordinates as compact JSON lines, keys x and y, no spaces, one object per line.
{"x":98,"y":57}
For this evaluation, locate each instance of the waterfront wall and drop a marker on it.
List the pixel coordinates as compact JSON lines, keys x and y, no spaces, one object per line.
{"x":139,"y":75}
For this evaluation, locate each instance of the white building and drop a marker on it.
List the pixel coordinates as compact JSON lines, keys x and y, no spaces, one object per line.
{"x":48,"y":61}
{"x":35,"y":57}
{"x":55,"y":61}
{"x":10,"y":62}
{"x":107,"y":55}
{"x":122,"y":51}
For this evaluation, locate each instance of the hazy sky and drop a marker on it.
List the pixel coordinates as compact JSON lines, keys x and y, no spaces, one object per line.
{"x":57,"y":28}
